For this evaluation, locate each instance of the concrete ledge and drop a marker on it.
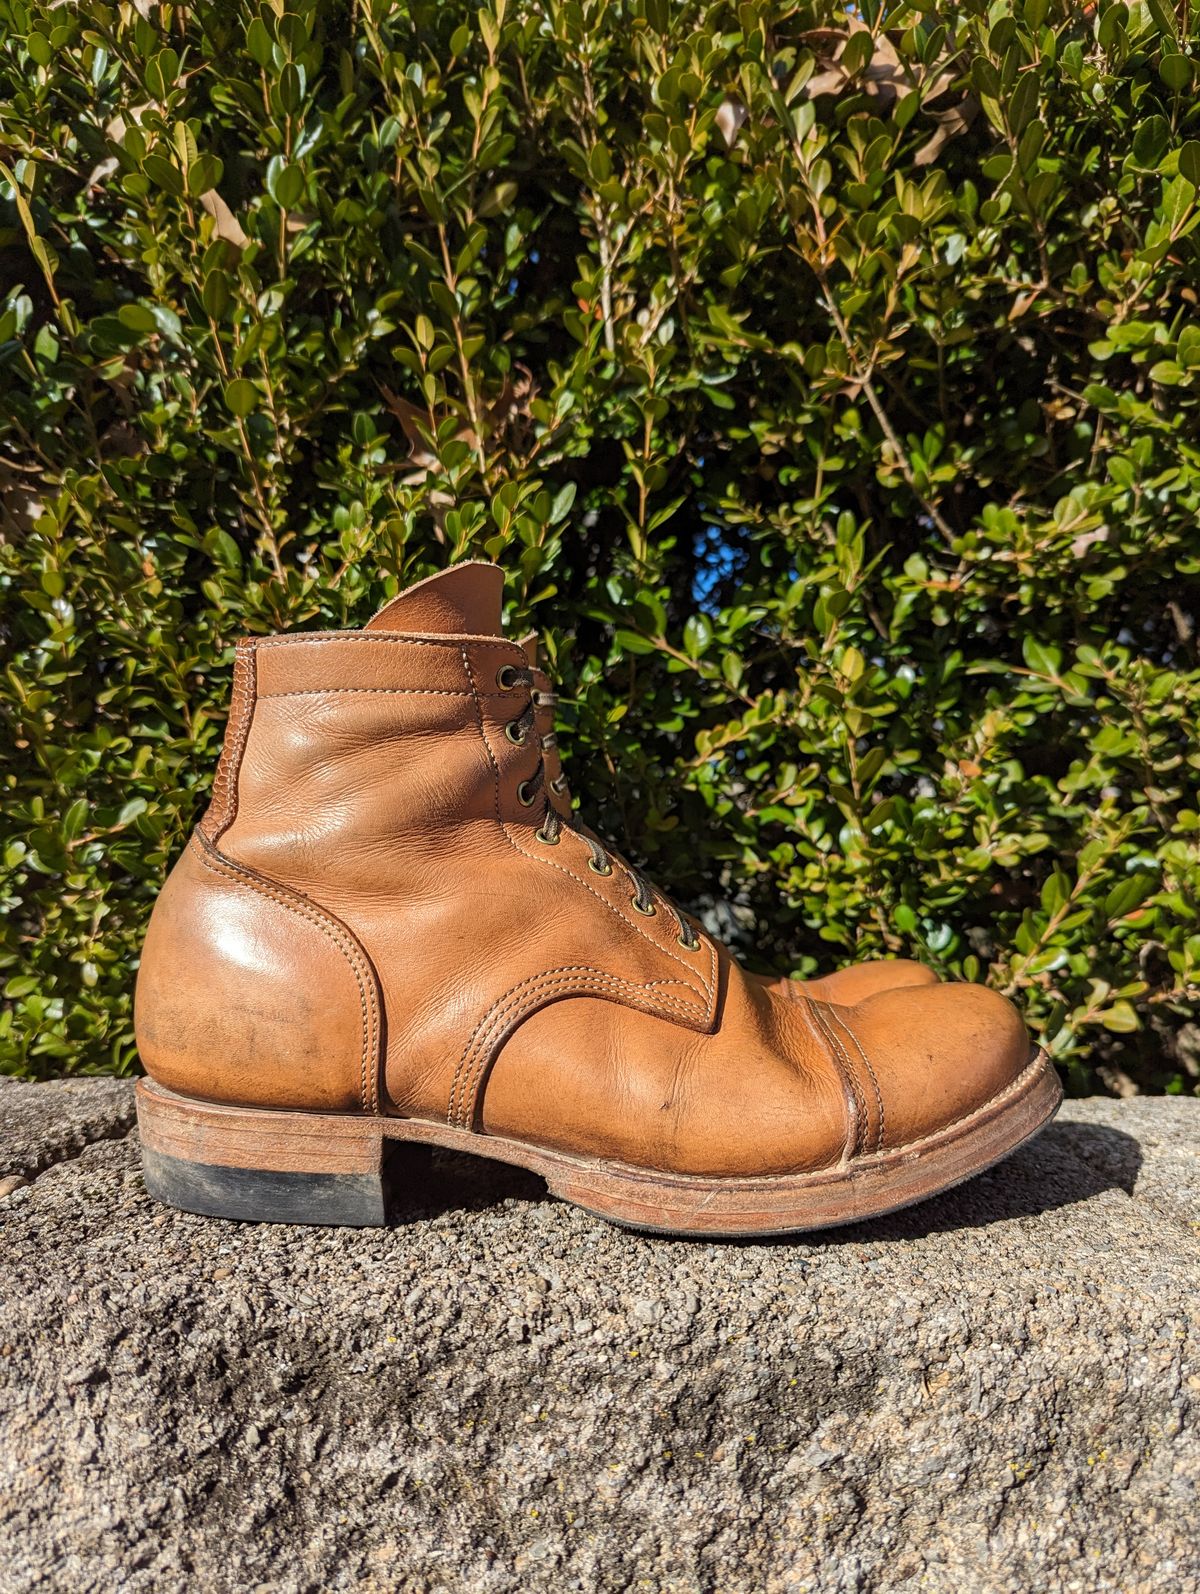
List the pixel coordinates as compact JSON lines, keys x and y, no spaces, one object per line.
{"x":995,"y":1391}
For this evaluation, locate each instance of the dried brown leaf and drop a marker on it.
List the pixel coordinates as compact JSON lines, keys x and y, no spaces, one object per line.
{"x":228,"y":226}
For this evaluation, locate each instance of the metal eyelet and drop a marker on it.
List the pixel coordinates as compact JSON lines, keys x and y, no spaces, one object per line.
{"x":689,"y":946}
{"x":596,"y":869}
{"x":506,"y":677}
{"x":524,"y":796}
{"x":540,"y":835}
{"x":646,"y":913}
{"x":515,"y":734}
{"x":558,"y":785}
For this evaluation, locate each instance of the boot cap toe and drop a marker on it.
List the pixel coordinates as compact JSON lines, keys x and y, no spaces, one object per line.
{"x":927,"y":1057}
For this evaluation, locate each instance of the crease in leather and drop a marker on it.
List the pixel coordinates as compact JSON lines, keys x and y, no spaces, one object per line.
{"x":341,"y":937}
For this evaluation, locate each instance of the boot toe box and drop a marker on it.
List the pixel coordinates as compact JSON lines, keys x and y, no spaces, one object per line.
{"x":927,"y":1057}
{"x":860,"y":981}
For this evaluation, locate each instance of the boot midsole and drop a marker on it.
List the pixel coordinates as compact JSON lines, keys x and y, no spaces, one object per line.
{"x":232,"y":1147}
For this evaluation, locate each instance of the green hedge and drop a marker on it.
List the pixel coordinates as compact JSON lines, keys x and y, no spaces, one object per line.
{"x":830,"y":391}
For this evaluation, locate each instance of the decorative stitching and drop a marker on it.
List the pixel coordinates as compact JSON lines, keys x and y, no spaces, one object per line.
{"x":408,"y":691}
{"x":223,"y":806}
{"x":493,"y":1021}
{"x":219,"y":865}
{"x":707,"y":985}
{"x":870,"y":1070}
{"x":848,"y":1075}
{"x":383,"y":639}
{"x":394,"y":691}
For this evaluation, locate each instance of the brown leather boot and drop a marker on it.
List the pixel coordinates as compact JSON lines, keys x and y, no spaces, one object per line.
{"x":845,"y":986}
{"x":382,"y":932}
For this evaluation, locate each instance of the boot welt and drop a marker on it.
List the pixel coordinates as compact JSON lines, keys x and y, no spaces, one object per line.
{"x":295,"y":1167}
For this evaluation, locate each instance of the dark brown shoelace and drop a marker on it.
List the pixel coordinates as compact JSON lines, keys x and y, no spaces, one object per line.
{"x":552,"y":822}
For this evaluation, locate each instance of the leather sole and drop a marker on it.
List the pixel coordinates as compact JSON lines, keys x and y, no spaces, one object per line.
{"x":294,"y":1167}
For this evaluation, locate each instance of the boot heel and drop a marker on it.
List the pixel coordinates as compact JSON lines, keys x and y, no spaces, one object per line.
{"x":270,"y":1167}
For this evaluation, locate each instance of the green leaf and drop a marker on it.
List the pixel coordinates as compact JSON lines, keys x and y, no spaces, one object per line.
{"x":75,"y":819}
{"x":285,"y":183}
{"x":561,"y":507}
{"x":1121,"y":1017}
{"x":1041,"y":657}
{"x":223,"y":548}
{"x":1175,"y":71}
{"x":497,"y":200}
{"x":291,"y":89}
{"x":138,"y":318}
{"x":697,"y":634}
{"x":241,"y":396}
{"x":258,"y":42}
{"x":165,"y":174}
{"x":1178,"y":197}
{"x":1151,"y":141}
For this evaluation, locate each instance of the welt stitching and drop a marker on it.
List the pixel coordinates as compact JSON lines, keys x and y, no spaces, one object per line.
{"x":366,"y":994}
{"x":849,"y":1075}
{"x":870,"y":1070}
{"x":1015,"y":1088}
{"x":493,"y":1022}
{"x":511,"y":998}
{"x":522,"y":852}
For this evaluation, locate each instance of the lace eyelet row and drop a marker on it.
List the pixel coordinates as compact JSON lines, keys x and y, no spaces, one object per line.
{"x":508,"y":677}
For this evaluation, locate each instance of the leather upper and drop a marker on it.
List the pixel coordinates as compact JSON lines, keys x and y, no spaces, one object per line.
{"x":370,"y":892}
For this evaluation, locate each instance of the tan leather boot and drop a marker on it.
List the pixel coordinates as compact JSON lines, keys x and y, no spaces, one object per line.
{"x":846,"y":986}
{"x":382,"y":932}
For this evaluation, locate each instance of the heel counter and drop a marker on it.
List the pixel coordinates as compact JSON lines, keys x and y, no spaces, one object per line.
{"x":250,"y":994}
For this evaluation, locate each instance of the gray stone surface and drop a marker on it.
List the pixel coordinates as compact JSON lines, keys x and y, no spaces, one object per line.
{"x":44,"y":1124}
{"x":997,"y":1390}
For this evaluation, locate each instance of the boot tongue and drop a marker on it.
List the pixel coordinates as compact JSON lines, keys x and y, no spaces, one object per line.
{"x":529,"y":642}
{"x":462,"y":601}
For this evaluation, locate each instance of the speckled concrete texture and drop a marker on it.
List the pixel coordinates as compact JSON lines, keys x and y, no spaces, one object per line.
{"x":995,"y":1391}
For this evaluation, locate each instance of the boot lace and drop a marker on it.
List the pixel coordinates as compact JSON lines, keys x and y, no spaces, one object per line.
{"x":552,"y":824}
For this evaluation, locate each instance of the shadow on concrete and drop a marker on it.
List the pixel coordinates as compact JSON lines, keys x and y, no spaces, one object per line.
{"x":426,"y":1182}
{"x":1066,"y":1164}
